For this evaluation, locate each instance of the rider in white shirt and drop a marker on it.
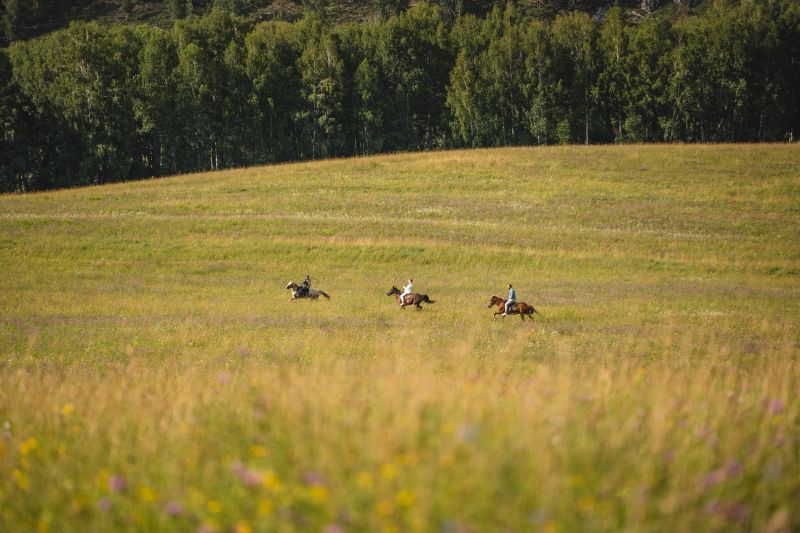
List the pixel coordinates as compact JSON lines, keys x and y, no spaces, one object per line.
{"x":406,"y":291}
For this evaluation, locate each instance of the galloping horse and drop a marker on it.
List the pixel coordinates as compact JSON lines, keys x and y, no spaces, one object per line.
{"x":410,"y":299}
{"x":520,"y":308}
{"x":312,"y":293}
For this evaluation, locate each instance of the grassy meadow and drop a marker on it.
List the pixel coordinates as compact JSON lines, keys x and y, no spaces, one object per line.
{"x":153,"y":375}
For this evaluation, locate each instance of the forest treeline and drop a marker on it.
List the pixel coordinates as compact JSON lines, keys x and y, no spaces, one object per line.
{"x":93,"y":104}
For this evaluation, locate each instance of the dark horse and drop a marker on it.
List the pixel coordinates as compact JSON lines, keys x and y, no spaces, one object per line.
{"x":520,"y":308}
{"x":410,"y":299}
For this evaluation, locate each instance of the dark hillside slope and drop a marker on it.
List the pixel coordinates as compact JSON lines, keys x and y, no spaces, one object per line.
{"x":25,"y":19}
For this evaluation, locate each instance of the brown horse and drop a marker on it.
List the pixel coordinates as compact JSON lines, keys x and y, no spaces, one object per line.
{"x":410,"y":299}
{"x":520,"y":308}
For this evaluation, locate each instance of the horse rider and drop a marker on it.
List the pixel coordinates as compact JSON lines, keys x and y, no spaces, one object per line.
{"x":512,"y":298}
{"x":406,"y":291}
{"x":303,"y":290}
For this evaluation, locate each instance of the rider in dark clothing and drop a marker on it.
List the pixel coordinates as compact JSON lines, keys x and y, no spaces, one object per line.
{"x":303,"y":290}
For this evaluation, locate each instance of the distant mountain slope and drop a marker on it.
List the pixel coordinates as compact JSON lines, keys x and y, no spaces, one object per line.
{"x":25,"y":19}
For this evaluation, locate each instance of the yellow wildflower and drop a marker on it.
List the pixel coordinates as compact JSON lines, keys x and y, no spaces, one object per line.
{"x":384,"y":508}
{"x":21,"y":479}
{"x":271,"y":481}
{"x":319,"y":493}
{"x":265,"y":507}
{"x":67,"y":409}
{"x":405,"y":498}
{"x":214,"y":506}
{"x":364,"y":480}
{"x":409,"y":459}
{"x":586,"y":504}
{"x":258,"y":451}
{"x":243,"y":527}
{"x":389,"y":471}
{"x":102,"y":478}
{"x":196,"y":496}
{"x":78,"y":504}
{"x":147,"y":494}
{"x":42,"y":526}
{"x":28,"y":445}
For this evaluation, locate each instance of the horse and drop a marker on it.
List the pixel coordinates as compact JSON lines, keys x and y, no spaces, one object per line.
{"x":520,"y":308}
{"x":410,"y":299}
{"x":312,"y":293}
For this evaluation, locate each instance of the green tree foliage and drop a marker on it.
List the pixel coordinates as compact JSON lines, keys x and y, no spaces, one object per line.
{"x":214,"y":95}
{"x":416,"y":58}
{"x":160,"y":112}
{"x":93,"y":104}
{"x":272,"y":53}
{"x":613,"y":77}
{"x":384,"y":9}
{"x":322,"y":89}
{"x":648,"y":115}
{"x":83,"y":76}
{"x":575,"y":36}
{"x":11,"y":19}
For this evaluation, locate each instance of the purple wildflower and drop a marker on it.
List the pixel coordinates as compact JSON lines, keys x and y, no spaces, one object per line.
{"x":314,"y":478}
{"x":715,"y":477}
{"x":105,"y":504}
{"x":714,"y":506}
{"x":116,"y":483}
{"x":733,"y":469}
{"x":173,"y":508}
{"x":250,"y":478}
{"x":775,"y":407}
{"x":738,"y":512}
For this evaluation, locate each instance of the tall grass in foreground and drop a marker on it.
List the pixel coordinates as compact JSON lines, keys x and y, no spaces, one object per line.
{"x":406,"y":442}
{"x":153,"y":376}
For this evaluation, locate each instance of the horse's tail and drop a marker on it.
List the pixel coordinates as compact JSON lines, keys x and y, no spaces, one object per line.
{"x":427,"y":300}
{"x":325,"y":294}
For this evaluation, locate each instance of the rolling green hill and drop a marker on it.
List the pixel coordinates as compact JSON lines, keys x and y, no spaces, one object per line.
{"x":153,"y":374}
